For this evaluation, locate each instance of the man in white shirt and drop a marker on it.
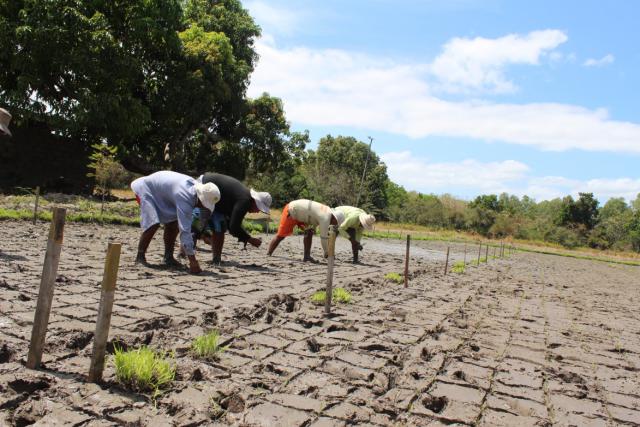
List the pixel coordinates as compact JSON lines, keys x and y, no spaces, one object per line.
{"x":169,"y":198}
{"x":306,"y":215}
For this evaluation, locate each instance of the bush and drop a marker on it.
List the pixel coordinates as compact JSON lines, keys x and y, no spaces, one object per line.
{"x":458,"y":267}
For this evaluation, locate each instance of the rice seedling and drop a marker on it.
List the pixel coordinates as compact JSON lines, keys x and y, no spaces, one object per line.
{"x":208,"y":346}
{"x":339,"y":295}
{"x":394,"y":277}
{"x":458,"y":267}
{"x":144,"y":369}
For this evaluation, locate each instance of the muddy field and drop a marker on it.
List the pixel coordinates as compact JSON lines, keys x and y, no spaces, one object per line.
{"x":529,"y":340}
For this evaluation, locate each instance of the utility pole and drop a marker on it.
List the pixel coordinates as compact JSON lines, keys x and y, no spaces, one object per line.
{"x":364,"y":171}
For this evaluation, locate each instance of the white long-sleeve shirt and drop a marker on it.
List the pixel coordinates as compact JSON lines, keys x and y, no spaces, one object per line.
{"x":313,"y":213}
{"x":165,"y":197}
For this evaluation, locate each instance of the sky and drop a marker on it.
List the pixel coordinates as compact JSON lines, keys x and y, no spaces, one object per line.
{"x":465,"y":97}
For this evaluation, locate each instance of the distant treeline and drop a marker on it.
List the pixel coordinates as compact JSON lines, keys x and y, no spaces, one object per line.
{"x":333,"y":174}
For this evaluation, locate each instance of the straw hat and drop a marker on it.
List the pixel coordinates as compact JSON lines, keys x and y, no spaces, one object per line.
{"x":5,"y":119}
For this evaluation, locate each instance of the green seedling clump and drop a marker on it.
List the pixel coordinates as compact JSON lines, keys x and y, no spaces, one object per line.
{"x":208,"y":346}
{"x":394,"y":277}
{"x":144,"y":369}
{"x":458,"y":267}
{"x":340,"y":295}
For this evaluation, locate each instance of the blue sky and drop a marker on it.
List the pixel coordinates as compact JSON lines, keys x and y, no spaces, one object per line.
{"x":462,"y":96}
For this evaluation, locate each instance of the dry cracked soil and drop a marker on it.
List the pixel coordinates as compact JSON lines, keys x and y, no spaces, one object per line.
{"x":526,"y":340}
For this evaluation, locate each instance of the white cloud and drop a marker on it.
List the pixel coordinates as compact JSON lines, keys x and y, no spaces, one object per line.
{"x":605,"y":60}
{"x":479,"y":63}
{"x":339,"y":88}
{"x":414,"y":172}
{"x":473,"y":177}
{"x":273,"y":19}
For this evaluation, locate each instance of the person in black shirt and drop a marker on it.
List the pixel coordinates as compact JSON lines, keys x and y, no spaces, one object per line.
{"x":236,"y":200}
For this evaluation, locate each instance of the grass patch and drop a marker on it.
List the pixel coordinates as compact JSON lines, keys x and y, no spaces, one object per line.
{"x":144,"y":369}
{"x":339,"y":295}
{"x":394,"y":277}
{"x":208,"y":346}
{"x":458,"y":267}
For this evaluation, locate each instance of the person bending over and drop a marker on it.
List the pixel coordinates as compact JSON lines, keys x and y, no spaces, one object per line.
{"x":236,"y":200}
{"x":355,"y":222}
{"x":306,"y":215}
{"x":169,"y":198}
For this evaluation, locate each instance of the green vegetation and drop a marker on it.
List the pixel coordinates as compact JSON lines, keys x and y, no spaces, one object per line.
{"x":208,"y":346}
{"x":458,"y":267}
{"x":394,"y":277}
{"x":144,"y":369}
{"x":339,"y":295}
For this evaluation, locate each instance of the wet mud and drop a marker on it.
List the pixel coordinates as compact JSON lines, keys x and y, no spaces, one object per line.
{"x":529,"y":340}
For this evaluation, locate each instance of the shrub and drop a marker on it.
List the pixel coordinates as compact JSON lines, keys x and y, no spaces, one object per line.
{"x":208,"y":346}
{"x":144,"y":369}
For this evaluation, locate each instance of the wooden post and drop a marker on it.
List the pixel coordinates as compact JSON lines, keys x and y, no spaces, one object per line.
{"x":35,"y":207}
{"x":479,"y":252}
{"x":494,"y":251}
{"x":109,"y":278}
{"x":465,"y":254}
{"x":446,"y":263}
{"x":47,"y":282}
{"x":486,"y":254}
{"x":501,"y":249}
{"x":330,"y":260}
{"x":406,"y":263}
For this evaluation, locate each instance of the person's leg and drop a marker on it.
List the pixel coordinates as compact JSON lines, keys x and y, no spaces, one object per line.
{"x":170,"y":235}
{"x":217,"y":242}
{"x":307,"y":239}
{"x":355,"y":246}
{"x":143,"y":243}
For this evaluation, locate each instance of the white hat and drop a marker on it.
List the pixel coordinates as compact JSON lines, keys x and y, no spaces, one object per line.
{"x":262,"y":199}
{"x":209,"y":194}
{"x":338,"y":215}
{"x":367,"y":220}
{"x":5,"y":119}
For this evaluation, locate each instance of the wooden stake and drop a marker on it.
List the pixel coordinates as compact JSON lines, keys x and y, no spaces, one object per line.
{"x":35,"y":207}
{"x":406,"y":263}
{"x":47,"y":282}
{"x":479,"y":252}
{"x":465,"y":254}
{"x":109,"y":278}
{"x":501,"y":249}
{"x":486,"y":254}
{"x":494,"y":251}
{"x":330,"y":260}
{"x":446,"y":263}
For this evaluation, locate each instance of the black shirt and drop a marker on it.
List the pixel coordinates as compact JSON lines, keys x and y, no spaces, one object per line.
{"x":235,"y":202}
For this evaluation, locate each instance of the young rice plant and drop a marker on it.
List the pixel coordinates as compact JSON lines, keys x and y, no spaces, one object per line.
{"x":394,"y":277}
{"x":208,"y":346}
{"x":458,"y":267}
{"x":339,"y":295}
{"x":144,"y":369}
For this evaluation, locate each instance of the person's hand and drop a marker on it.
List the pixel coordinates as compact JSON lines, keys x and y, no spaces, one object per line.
{"x":360,"y":247}
{"x":255,"y":242}
{"x":194,"y":266}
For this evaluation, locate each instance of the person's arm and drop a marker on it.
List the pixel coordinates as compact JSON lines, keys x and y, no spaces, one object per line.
{"x":240,"y":209}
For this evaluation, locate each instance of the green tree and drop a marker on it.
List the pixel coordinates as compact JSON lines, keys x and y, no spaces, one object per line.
{"x":334,"y":172}
{"x":160,"y":80}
